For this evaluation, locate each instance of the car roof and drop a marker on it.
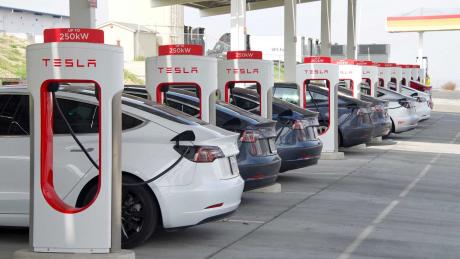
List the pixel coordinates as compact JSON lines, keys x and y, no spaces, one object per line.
{"x":234,"y":111}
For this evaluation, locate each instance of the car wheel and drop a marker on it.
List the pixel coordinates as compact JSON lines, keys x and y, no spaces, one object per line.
{"x":139,"y":212}
{"x":392,"y":130}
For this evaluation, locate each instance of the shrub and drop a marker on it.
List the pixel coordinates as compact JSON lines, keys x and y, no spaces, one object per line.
{"x":449,"y":86}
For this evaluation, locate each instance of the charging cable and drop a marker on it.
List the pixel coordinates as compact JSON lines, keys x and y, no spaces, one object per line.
{"x":53,"y":88}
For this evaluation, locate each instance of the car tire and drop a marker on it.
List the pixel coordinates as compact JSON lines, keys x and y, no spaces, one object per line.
{"x":392,"y":130}
{"x":140,"y":212}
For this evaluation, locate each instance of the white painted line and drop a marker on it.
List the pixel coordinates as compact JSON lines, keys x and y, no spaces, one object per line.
{"x":371,"y":227}
{"x":244,"y":221}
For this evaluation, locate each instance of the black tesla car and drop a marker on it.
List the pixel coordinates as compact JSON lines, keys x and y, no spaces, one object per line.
{"x":379,"y":115}
{"x":258,"y":160}
{"x":355,"y":125}
{"x":297,"y":129}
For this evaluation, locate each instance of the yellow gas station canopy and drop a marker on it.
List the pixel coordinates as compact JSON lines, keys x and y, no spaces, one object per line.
{"x":423,"y":23}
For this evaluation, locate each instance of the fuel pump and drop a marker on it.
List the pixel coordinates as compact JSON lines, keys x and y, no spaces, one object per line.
{"x":351,"y":73}
{"x":396,"y":76}
{"x":247,"y":67}
{"x":406,"y":73}
{"x":384,"y":74}
{"x":416,"y":83}
{"x":370,"y":75}
{"x":73,"y":58}
{"x":322,"y":69}
{"x":184,"y":66}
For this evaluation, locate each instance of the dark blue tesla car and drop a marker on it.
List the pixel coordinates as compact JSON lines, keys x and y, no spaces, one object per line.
{"x":297,"y":129}
{"x":355,"y":124}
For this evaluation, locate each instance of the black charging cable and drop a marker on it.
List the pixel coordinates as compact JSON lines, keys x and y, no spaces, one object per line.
{"x":53,"y":88}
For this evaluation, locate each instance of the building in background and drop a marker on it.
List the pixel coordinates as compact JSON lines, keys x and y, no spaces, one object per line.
{"x":140,"y":29}
{"x":137,"y":40}
{"x":374,"y":52}
{"x":29,"y":24}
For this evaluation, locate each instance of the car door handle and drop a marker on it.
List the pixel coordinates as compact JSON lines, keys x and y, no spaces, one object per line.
{"x":80,"y":150}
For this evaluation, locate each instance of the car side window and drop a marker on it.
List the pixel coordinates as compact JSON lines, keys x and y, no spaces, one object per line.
{"x":287,"y":94}
{"x":14,"y":115}
{"x":129,"y":122}
{"x":82,"y":117}
{"x":245,"y":103}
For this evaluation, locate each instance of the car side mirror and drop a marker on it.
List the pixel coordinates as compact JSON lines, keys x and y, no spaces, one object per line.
{"x":187,"y":135}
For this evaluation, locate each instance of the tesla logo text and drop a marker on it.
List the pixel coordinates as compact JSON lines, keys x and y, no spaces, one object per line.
{"x":366,"y":72}
{"x":316,"y":71}
{"x":242,"y":71}
{"x":178,"y":70}
{"x":68,"y":62}
{"x":349,"y":72}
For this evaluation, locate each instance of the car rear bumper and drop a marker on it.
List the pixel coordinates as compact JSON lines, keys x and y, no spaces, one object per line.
{"x":258,"y":172}
{"x":189,"y":205}
{"x":381,"y":129}
{"x":356,"y":136}
{"x":301,"y":155}
{"x":405,"y":123}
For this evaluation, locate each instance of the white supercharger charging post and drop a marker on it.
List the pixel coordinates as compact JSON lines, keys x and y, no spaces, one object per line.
{"x":351,"y":73}
{"x":247,"y":67}
{"x":370,"y":75}
{"x":384,"y":74}
{"x":406,"y":74}
{"x":322,"y":69}
{"x":415,"y":70}
{"x":396,"y":76}
{"x":70,"y":58}
{"x":184,"y":66}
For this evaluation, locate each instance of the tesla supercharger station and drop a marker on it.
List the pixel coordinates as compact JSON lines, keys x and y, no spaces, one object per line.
{"x":406,"y":73}
{"x":396,"y":76}
{"x":75,"y":56}
{"x":415,"y":70}
{"x":184,"y":65}
{"x":384,"y":74}
{"x":370,"y":74}
{"x":247,"y":67}
{"x":350,"y":72}
{"x":322,"y":69}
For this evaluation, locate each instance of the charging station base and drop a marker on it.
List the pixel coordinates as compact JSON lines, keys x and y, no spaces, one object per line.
{"x":376,"y":141}
{"x":274,"y":188}
{"x":356,"y":148}
{"x":27,"y":254}
{"x":332,"y":156}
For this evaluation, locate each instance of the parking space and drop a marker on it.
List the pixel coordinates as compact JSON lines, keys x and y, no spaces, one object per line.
{"x":398,"y":200}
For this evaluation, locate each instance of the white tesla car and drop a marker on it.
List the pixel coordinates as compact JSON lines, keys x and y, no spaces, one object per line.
{"x":423,"y":104}
{"x":204,"y":186}
{"x":401,"y":109}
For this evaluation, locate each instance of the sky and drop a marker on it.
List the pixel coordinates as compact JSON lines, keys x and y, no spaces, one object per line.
{"x":442,"y":48}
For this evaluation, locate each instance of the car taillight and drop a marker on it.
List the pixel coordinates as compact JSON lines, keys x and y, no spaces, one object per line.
{"x":207,"y":154}
{"x":249,"y":136}
{"x":379,"y":108}
{"x":361,"y":111}
{"x":200,"y":154}
{"x":298,"y":125}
